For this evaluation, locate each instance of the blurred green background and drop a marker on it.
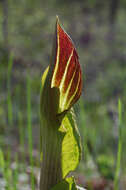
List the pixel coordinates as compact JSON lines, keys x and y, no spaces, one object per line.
{"x":98,"y":29}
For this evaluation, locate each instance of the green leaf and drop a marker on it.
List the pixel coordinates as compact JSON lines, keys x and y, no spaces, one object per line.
{"x":2,"y":161}
{"x":68,"y":184}
{"x":71,"y":146}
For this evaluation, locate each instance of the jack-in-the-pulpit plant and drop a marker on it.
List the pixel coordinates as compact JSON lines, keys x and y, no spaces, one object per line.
{"x":60,"y":139}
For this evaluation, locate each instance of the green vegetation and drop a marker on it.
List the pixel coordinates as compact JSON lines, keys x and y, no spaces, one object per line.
{"x":60,"y":139}
{"x":119,"y":155}
{"x":98,"y":30}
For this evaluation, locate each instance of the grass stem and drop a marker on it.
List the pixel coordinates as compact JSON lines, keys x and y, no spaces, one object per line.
{"x":119,"y":153}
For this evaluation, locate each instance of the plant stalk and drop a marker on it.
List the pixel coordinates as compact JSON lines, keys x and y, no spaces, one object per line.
{"x":51,"y":172}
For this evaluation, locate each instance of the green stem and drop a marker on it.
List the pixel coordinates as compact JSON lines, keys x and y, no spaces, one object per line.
{"x":51,"y":173}
{"x":119,"y":153}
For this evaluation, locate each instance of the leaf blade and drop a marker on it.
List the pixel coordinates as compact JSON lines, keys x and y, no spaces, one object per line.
{"x":71,"y":145}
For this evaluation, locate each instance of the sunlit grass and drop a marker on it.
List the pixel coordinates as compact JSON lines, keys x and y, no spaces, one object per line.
{"x":21,"y":136}
{"x":119,"y":153}
{"x":29,"y":125}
